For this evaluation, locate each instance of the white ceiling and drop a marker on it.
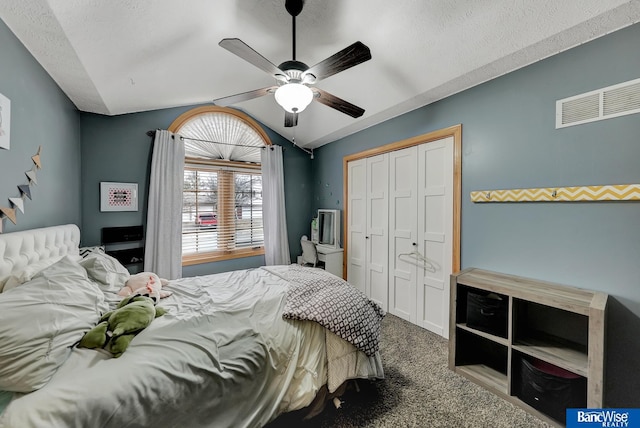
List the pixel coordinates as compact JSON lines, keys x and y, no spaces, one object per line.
{"x":121,"y":56}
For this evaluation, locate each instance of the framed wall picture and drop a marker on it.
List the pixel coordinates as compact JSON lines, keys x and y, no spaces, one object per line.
{"x":5,"y":122}
{"x":118,"y":196}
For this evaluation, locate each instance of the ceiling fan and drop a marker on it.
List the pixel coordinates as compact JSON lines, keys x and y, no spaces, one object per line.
{"x":294,"y":88}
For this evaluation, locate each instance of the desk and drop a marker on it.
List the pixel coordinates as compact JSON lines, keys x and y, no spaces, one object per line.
{"x":332,"y":259}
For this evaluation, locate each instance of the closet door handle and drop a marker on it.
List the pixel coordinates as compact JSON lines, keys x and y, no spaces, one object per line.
{"x":366,"y":237}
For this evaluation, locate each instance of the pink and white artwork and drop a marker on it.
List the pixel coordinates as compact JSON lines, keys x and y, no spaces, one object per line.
{"x":118,"y":196}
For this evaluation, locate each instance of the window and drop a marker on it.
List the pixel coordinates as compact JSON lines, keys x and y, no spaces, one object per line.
{"x":222,"y":194}
{"x":222,"y":209}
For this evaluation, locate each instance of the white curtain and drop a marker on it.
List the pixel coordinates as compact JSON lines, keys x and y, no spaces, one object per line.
{"x":276,"y":242}
{"x":163,"y":247}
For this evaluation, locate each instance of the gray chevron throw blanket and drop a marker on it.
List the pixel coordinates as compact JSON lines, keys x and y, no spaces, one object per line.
{"x":316,"y":295}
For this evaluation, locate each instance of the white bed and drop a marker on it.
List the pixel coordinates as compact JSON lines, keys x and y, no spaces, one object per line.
{"x":222,"y":356}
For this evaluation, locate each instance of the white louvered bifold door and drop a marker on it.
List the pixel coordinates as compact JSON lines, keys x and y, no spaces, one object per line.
{"x":435,"y":233}
{"x":377,"y":229}
{"x":357,"y":223}
{"x":403,"y":231}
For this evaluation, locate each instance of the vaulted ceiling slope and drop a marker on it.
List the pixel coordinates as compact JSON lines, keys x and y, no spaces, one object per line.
{"x":123,"y":56}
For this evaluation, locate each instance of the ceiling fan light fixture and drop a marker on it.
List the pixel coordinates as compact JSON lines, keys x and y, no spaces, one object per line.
{"x":294,"y":97}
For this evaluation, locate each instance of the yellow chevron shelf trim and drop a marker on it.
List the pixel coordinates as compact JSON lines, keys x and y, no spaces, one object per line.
{"x":610,"y":192}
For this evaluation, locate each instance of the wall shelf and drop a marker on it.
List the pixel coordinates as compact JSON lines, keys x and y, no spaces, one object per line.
{"x":611,"y":192}
{"x":126,"y":244}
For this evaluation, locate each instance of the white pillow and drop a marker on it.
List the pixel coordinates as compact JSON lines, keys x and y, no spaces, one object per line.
{"x":12,"y":282}
{"x":41,"y":320}
{"x":29,"y":271}
{"x":106,"y":270}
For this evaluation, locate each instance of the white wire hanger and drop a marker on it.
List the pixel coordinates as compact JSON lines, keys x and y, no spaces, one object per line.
{"x":416,"y":258}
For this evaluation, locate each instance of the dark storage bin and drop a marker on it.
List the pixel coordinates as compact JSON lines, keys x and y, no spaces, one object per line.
{"x":487,"y":312}
{"x":551,"y":389}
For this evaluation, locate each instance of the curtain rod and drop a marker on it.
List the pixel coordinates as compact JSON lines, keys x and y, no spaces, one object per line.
{"x":153,"y":133}
{"x":307,"y":151}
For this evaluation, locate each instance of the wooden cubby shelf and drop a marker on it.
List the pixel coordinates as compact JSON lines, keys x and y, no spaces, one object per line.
{"x":489,"y":377}
{"x":548,"y":326}
{"x":556,"y":354}
{"x":498,"y":339}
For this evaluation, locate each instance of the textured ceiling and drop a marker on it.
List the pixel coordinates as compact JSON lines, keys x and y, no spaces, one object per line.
{"x":122,"y":56}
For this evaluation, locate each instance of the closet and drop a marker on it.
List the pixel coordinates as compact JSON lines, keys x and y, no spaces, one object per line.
{"x":400,"y":230}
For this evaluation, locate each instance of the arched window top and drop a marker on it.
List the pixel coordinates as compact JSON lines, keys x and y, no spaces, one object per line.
{"x":213,"y":132}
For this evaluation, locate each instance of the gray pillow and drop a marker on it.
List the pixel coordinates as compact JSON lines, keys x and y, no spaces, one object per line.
{"x":41,"y":320}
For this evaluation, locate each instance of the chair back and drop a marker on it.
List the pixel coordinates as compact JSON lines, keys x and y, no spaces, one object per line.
{"x":309,"y":252}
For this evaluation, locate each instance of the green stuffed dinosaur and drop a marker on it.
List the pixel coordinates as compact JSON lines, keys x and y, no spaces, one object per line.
{"x":117,"y":328}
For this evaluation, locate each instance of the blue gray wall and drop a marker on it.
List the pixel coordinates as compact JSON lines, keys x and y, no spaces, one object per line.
{"x":41,"y":115}
{"x":509,"y":140}
{"x":116,"y":148}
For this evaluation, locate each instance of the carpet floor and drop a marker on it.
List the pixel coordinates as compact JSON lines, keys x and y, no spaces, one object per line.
{"x":419,"y":390}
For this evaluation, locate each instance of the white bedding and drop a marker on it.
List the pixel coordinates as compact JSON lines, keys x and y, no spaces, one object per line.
{"x":222,"y":356}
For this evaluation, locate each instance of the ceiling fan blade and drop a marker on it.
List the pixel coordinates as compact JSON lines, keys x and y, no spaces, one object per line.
{"x":339,"y":104}
{"x":244,"y":51}
{"x":348,"y":57}
{"x":245,"y":96}
{"x":290,"y":119}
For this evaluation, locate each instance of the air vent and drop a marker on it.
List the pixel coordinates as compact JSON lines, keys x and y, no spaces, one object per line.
{"x":581,"y":109}
{"x":623,"y":100}
{"x":605,"y":103}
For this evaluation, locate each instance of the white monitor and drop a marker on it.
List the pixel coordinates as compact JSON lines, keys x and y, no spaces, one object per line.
{"x":328,"y":224}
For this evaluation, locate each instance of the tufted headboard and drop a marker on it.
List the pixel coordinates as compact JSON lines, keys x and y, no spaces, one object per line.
{"x":19,"y":249}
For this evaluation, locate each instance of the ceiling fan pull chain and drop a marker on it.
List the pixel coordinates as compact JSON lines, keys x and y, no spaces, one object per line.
{"x":294,"y":38}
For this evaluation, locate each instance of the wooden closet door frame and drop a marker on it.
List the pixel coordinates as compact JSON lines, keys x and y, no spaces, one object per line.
{"x":452,"y":131}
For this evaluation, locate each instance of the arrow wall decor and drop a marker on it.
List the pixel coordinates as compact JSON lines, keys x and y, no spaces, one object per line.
{"x":18,"y":203}
{"x":24,"y":191}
